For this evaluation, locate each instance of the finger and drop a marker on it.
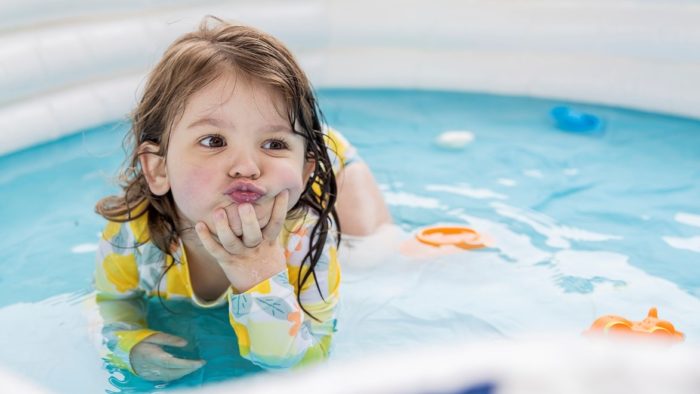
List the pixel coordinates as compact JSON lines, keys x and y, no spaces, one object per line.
{"x":162,"y":338}
{"x":252,"y":236}
{"x":174,"y":374}
{"x":234,"y":220}
{"x":159,"y":365}
{"x":163,"y":375}
{"x":210,"y":244}
{"x":277,"y":217}
{"x":166,"y":360}
{"x":148,"y":356}
{"x":227,"y":238}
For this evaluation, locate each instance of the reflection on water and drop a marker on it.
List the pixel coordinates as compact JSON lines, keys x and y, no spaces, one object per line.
{"x":56,"y":343}
{"x":209,"y":336}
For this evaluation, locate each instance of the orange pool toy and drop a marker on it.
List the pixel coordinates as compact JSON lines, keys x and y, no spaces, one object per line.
{"x":650,"y":326}
{"x":459,"y":236}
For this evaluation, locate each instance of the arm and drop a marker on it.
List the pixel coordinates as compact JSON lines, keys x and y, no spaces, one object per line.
{"x":273,"y":331}
{"x":120,"y":300}
{"x":360,"y":205}
{"x":120,"y":296}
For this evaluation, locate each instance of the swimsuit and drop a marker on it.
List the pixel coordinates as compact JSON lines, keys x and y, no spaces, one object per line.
{"x":272,"y":329}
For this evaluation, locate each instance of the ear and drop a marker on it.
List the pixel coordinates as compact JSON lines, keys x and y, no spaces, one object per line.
{"x":154,"y":170}
{"x":309,"y":166}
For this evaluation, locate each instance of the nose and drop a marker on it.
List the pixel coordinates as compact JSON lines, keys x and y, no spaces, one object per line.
{"x":244,"y":165}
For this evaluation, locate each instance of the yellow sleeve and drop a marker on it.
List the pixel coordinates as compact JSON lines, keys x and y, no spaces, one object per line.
{"x":119,"y":297}
{"x":340,"y":151}
{"x":272,"y":329}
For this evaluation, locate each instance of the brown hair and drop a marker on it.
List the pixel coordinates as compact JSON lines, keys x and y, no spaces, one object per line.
{"x":188,"y":65}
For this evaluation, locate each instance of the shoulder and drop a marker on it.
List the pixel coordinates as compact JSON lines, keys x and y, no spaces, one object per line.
{"x":297,"y":232}
{"x":128,"y":234}
{"x":305,"y":222}
{"x":335,"y":141}
{"x":340,"y":151}
{"x":128,"y":244}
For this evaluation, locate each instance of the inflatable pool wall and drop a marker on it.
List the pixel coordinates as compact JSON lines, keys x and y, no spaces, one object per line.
{"x":68,"y":65}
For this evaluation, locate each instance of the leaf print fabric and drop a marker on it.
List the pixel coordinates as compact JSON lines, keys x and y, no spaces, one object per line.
{"x":272,"y":329}
{"x":274,"y":306}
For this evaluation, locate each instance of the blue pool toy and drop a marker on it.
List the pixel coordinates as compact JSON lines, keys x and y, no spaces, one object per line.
{"x":570,"y":120}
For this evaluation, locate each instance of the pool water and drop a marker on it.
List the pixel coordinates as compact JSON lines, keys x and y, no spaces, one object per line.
{"x":582,"y":225}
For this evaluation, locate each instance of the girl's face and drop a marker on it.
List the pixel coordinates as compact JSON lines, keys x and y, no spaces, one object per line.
{"x":234,"y":145}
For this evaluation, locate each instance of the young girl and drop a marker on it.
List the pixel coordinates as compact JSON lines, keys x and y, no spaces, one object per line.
{"x":229,"y":198}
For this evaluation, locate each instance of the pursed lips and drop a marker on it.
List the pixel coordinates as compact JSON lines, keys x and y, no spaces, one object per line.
{"x":244,"y":192}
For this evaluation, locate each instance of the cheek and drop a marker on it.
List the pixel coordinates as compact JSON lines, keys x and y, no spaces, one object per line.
{"x":187,"y":188}
{"x":190,"y":182}
{"x":292,"y":180}
{"x":283,"y":178}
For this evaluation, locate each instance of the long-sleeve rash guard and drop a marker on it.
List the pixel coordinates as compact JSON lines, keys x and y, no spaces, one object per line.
{"x":272,"y":329}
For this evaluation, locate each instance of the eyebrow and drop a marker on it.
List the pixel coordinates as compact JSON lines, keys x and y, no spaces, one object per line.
{"x":207,"y":121}
{"x":222,"y":124}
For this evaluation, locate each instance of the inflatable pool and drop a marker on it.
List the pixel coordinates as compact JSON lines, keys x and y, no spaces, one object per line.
{"x":577,"y":227}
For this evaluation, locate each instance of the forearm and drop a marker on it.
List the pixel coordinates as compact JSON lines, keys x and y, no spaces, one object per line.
{"x":249,"y":273}
{"x":121,"y":305}
{"x":124,"y":326}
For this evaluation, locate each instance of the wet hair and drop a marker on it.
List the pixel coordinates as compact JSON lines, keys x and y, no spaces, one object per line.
{"x":192,"y":62}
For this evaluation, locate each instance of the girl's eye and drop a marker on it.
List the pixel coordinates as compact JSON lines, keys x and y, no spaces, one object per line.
{"x":213,"y":141}
{"x":275,"y":144}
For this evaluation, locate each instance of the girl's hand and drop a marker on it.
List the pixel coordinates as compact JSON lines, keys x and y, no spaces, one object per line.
{"x":151,"y":362}
{"x":255,"y":253}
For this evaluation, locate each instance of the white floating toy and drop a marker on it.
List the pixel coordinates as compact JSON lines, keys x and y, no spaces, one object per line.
{"x":455,"y":139}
